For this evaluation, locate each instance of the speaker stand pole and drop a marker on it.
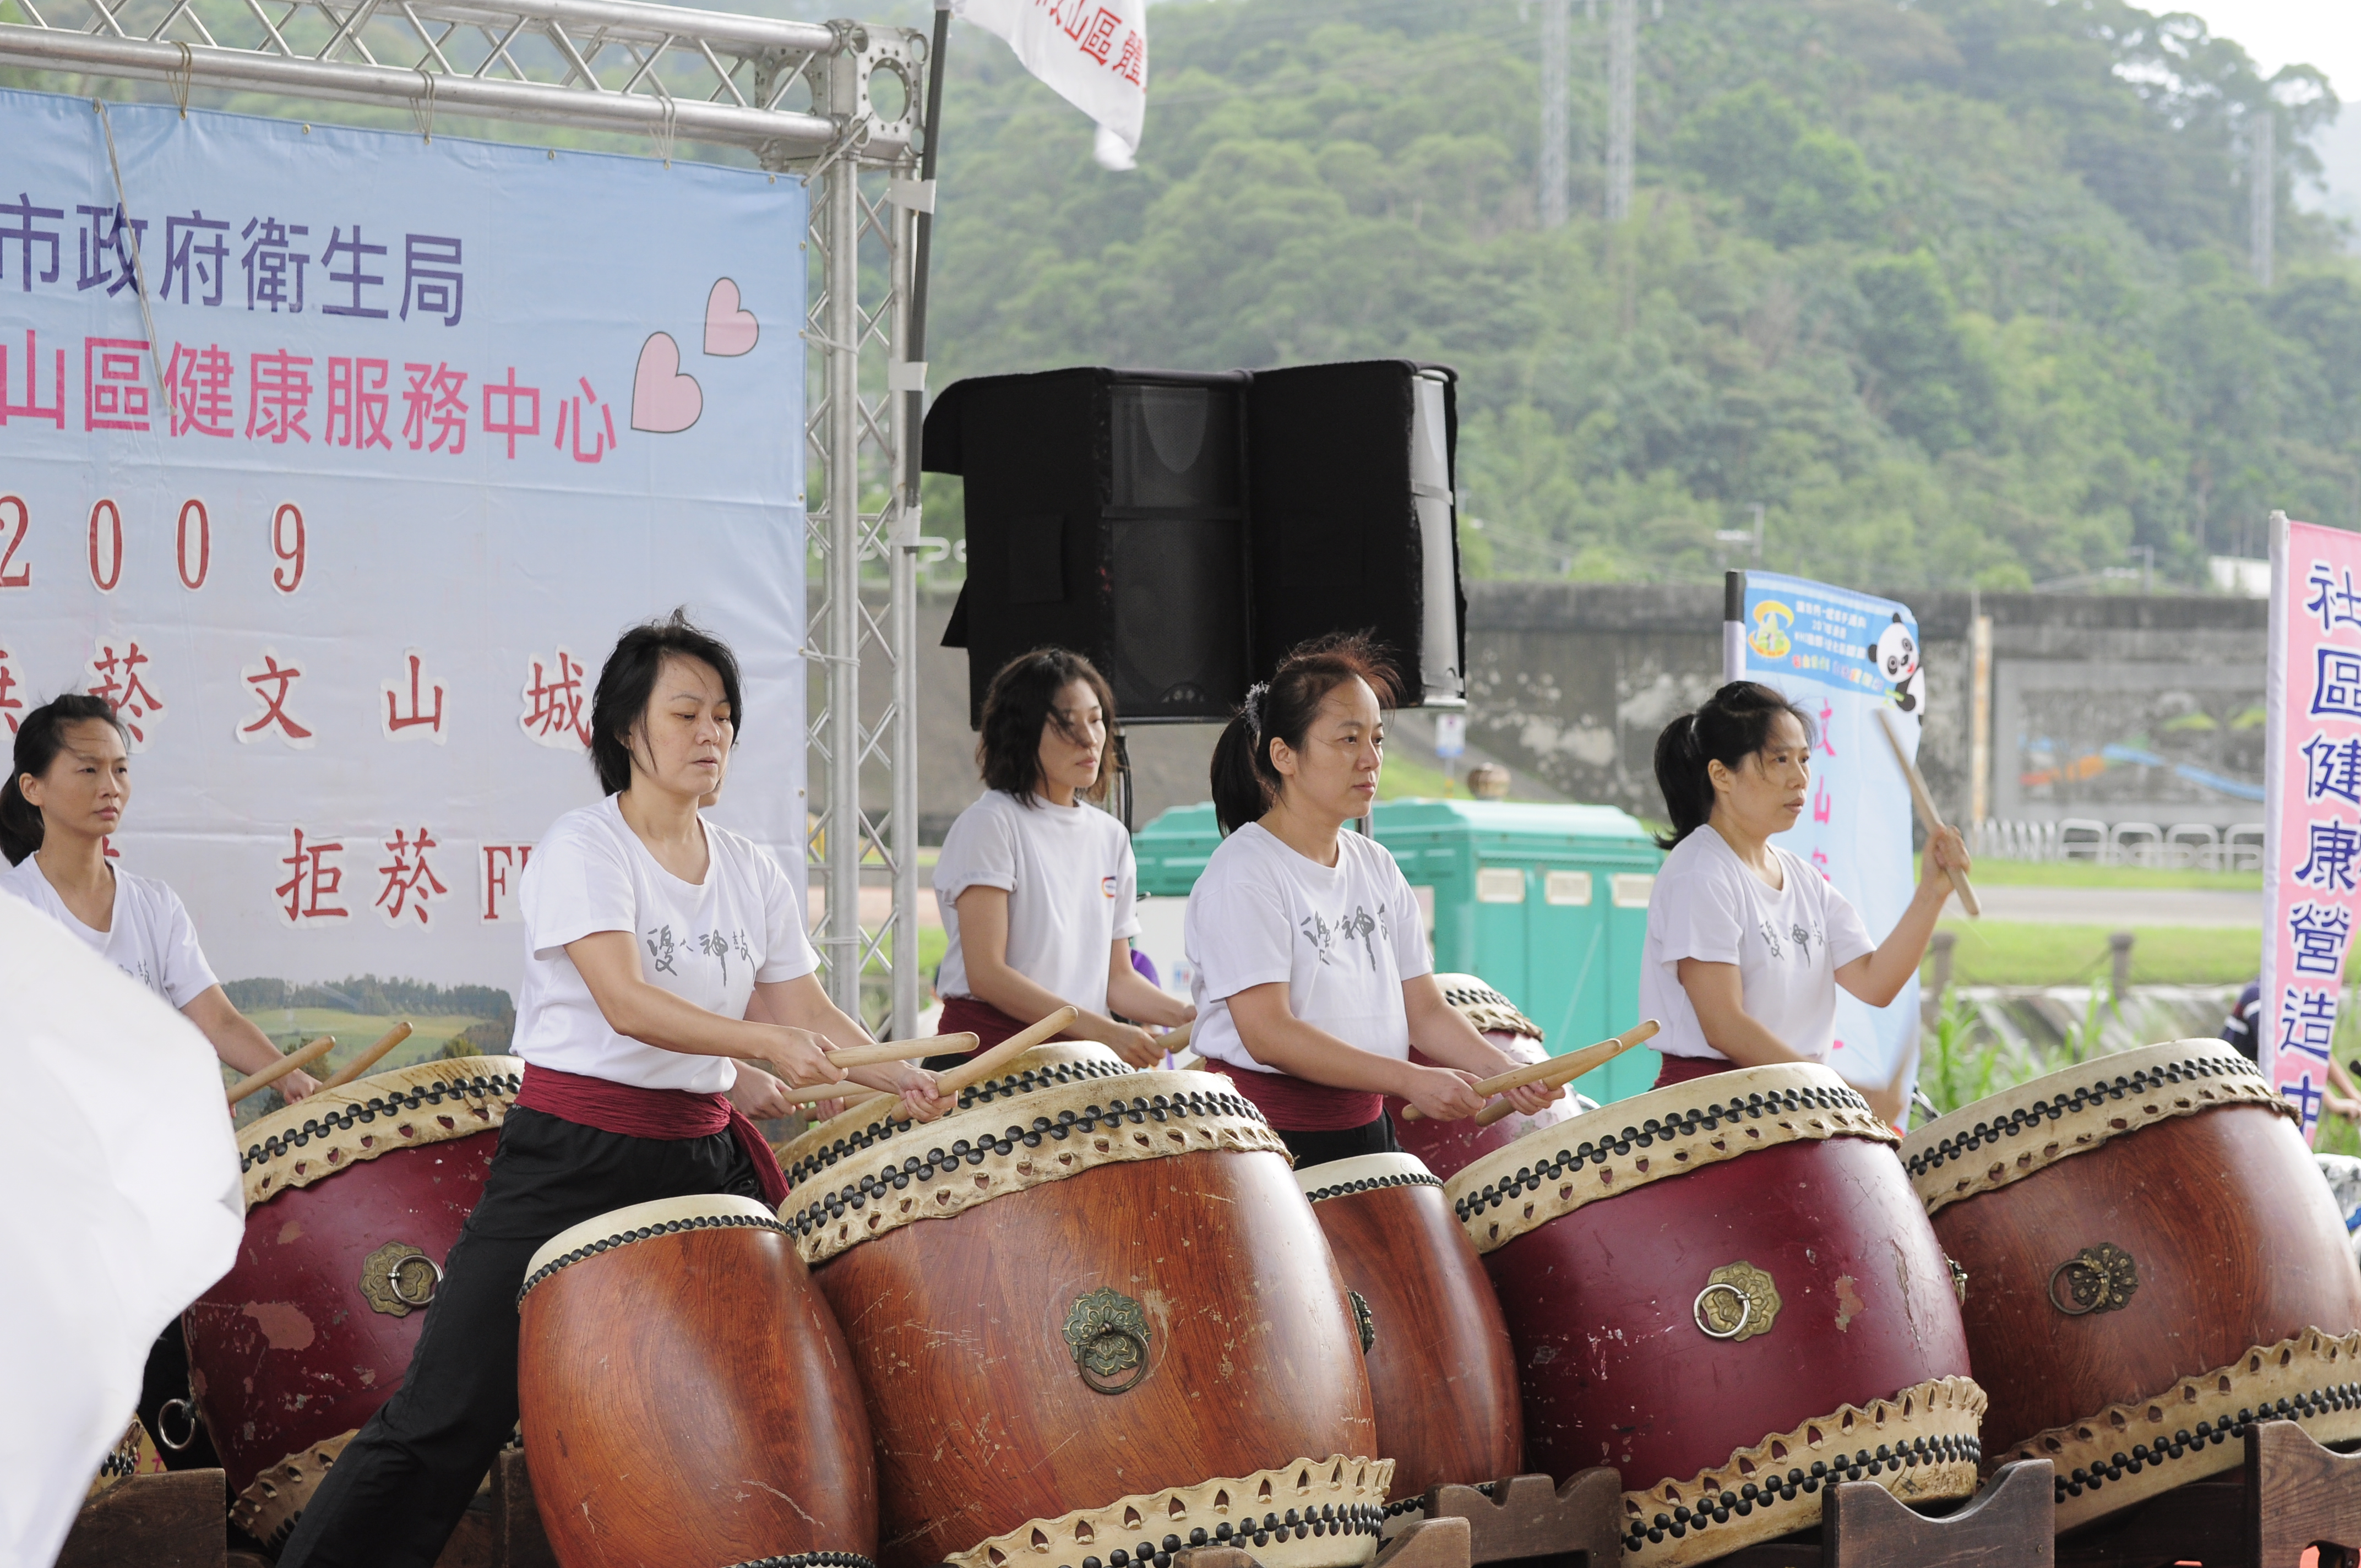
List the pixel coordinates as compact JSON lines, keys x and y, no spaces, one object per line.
{"x":914,"y":399}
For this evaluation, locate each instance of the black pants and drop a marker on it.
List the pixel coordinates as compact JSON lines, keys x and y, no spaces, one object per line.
{"x":396,"y":1493}
{"x":1318,"y":1149}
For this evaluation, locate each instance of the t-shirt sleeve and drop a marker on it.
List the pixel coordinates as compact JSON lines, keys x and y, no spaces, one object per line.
{"x":1412,"y":956}
{"x":1694,"y":914}
{"x":576,"y":885}
{"x":1127,"y":896}
{"x":1239,"y":920}
{"x":979,"y":851}
{"x":186,"y":975}
{"x":1848,"y":937}
{"x":787,"y":951}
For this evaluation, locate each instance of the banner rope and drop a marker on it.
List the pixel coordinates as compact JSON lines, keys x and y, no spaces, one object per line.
{"x":138,"y":261}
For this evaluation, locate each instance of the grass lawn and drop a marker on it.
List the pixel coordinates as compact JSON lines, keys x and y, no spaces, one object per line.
{"x":2003,"y":952}
{"x":356,"y":1032}
{"x":2083,"y":873}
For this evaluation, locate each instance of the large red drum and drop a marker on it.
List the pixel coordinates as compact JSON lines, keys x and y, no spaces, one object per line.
{"x":686,"y":1395}
{"x":1727,"y":1290}
{"x":354,"y":1197}
{"x":1441,"y":1371}
{"x":1094,"y":1321}
{"x":2152,"y":1262}
{"x":1446,"y":1147}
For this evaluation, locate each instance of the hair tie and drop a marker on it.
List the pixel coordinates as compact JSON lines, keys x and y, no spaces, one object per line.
{"x":1251,"y":711}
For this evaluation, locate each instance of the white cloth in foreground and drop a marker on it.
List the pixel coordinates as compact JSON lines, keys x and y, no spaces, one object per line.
{"x":124,"y":1204}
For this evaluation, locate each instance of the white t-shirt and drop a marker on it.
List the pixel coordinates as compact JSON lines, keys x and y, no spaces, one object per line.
{"x":1342,"y":937}
{"x":1072,"y":886}
{"x":148,"y":938}
{"x":1787,"y":945}
{"x":706,"y":943}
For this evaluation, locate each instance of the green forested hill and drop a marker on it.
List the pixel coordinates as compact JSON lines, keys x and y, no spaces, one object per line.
{"x":1956,"y":291}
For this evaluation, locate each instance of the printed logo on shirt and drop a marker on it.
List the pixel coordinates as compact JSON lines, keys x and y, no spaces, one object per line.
{"x":1107,"y":886}
{"x":1358,"y":925}
{"x":664,"y":950}
{"x":1799,"y":934}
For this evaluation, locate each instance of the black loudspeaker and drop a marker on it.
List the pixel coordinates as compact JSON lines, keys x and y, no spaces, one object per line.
{"x":1350,"y":491}
{"x":1105,"y":514}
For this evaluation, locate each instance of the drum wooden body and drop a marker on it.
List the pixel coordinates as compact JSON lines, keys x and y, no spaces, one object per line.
{"x":2151,"y":1257}
{"x":354,"y":1198}
{"x":1727,"y":1290}
{"x":1094,"y":1319}
{"x":1448,"y":1148}
{"x":1442,"y":1373}
{"x":686,"y":1395}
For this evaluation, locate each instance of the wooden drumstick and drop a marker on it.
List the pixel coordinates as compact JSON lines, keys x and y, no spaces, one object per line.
{"x":281,"y":1068}
{"x":1557,"y":1071}
{"x":369,"y":1058}
{"x":1928,"y":814}
{"x":869,"y":1056}
{"x":1175,"y":1041}
{"x":1190,"y":1062}
{"x":975,"y":1069}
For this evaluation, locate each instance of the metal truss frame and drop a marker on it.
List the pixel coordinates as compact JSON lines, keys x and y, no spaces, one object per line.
{"x":665,"y":72}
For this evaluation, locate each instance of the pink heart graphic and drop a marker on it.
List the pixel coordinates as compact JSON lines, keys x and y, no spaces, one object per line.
{"x":664,"y":402}
{"x":730,"y":330}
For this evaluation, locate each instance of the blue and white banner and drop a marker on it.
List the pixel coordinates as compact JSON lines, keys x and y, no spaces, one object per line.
{"x":421,"y":426}
{"x":1842,"y":656}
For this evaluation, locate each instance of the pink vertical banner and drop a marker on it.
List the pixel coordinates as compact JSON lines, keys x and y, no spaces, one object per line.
{"x":2312,"y":801}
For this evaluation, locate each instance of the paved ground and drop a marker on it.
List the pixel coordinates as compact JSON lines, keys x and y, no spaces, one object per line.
{"x":2120,"y":907}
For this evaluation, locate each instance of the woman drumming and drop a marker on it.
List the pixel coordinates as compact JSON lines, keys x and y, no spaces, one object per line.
{"x":68,"y":791}
{"x":647,"y":932}
{"x":1313,"y":978}
{"x":1036,"y":886}
{"x":1747,"y":943}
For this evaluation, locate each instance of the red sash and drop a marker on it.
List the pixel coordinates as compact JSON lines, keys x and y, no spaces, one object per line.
{"x":1686,"y":1070}
{"x":1296,"y":1105}
{"x":635,"y":1112}
{"x":971,"y":1015}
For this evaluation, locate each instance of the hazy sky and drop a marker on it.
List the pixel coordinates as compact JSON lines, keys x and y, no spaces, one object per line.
{"x":2326,"y":33}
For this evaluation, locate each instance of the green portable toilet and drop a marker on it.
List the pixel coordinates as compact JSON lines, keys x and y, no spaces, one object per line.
{"x":1548,"y":903}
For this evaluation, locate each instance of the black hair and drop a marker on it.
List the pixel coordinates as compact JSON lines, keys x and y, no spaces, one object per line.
{"x":1244,"y":780}
{"x":628,"y":678}
{"x":40,"y":738}
{"x":1733,"y":725}
{"x":1022,"y":698}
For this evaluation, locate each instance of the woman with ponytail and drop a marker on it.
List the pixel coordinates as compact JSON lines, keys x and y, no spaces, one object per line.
{"x":66,"y":792}
{"x":1312,"y":975}
{"x":1746,"y":944}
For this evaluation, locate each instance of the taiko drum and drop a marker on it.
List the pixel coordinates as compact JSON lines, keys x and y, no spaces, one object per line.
{"x":1727,"y":1290}
{"x":1443,"y":1374}
{"x":354,"y":1197}
{"x":1446,"y":1147}
{"x":2152,"y":1261}
{"x":1094,"y":1321}
{"x":686,"y":1395}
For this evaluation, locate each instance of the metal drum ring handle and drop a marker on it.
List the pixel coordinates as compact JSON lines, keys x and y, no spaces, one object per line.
{"x":1139,"y":1368}
{"x":2075,"y":1308}
{"x":393,"y":1280}
{"x":1745,"y":1311}
{"x":164,"y":1410}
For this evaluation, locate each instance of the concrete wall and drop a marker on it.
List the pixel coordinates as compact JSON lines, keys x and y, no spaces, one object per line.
{"x":1572,"y":683}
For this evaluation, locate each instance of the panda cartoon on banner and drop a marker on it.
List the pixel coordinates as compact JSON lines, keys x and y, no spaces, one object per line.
{"x":1895,"y":655}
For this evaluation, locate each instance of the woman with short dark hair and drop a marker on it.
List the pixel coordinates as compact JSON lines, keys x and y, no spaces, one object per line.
{"x":1036,"y":885}
{"x":1746,"y":943}
{"x":1313,"y":978}
{"x":649,"y":932}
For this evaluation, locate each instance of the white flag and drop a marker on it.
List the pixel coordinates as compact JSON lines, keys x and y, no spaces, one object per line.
{"x":1094,"y":52}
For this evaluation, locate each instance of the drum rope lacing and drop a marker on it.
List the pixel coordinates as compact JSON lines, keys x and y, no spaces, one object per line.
{"x":1705,"y":1118}
{"x":811,"y":1559}
{"x":2302,"y":1407}
{"x":648,"y":1232}
{"x":1372,"y":1183}
{"x":943,"y":1162}
{"x":1028,"y":1081}
{"x":2025,"y":1117}
{"x":505,"y":1086}
{"x":1863,"y":1465}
